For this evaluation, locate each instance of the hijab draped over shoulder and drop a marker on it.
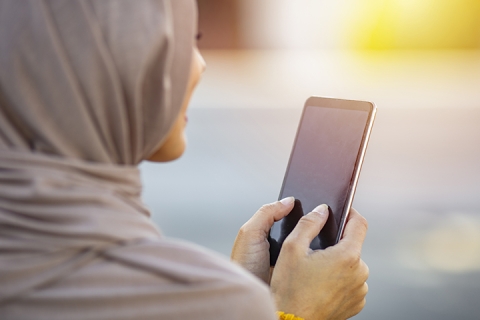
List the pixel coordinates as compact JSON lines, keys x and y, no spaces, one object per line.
{"x":88,"y":89}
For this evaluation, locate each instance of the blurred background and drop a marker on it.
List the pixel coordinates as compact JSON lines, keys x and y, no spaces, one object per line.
{"x":418,"y":60}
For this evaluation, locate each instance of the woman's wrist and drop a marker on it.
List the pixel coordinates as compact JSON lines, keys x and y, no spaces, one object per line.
{"x":284,"y":316}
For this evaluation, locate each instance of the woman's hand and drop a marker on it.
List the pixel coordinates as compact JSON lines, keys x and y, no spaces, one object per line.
{"x":251,"y":247}
{"x":321,"y":284}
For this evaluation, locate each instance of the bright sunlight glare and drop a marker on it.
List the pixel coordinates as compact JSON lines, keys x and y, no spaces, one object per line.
{"x":417,"y":24}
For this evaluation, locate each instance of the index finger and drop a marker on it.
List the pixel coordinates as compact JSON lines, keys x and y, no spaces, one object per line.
{"x":355,"y":231}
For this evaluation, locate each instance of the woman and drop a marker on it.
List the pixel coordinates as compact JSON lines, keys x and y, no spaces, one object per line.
{"x":89,"y":89}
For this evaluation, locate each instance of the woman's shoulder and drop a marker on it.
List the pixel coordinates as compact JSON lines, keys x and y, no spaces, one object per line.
{"x":181,"y":260}
{"x":211,"y":276}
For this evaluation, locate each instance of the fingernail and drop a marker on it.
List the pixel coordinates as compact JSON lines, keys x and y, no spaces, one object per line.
{"x":321,"y":209}
{"x":287,"y":201}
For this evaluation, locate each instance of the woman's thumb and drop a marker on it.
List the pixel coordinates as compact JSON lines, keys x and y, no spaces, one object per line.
{"x":308,"y":227}
{"x":264,"y":218}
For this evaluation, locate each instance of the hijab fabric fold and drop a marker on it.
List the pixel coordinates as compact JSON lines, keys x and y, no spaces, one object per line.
{"x":88,"y":89}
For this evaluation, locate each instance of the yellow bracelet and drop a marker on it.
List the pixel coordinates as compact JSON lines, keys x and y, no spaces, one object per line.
{"x":284,"y":316}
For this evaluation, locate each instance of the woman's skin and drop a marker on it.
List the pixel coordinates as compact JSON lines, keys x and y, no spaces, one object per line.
{"x":175,"y":143}
{"x":320,"y":284}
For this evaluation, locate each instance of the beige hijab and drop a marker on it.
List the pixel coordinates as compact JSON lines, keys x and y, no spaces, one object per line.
{"x":88,"y":89}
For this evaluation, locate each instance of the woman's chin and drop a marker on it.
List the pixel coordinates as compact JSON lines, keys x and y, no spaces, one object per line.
{"x":168,"y":153}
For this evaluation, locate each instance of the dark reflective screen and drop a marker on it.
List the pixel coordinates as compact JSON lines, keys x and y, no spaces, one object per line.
{"x":320,"y":170}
